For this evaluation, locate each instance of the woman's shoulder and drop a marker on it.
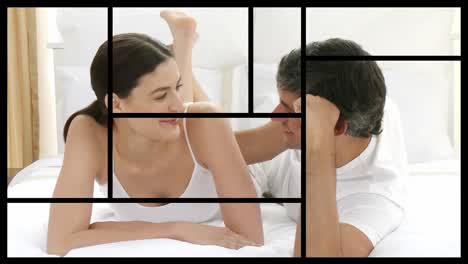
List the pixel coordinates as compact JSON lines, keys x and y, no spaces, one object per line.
{"x":85,"y":131}
{"x":199,"y":126}
{"x":85,"y":126}
{"x":87,"y":137}
{"x":203,"y":107}
{"x":203,"y":125}
{"x":204,"y":132}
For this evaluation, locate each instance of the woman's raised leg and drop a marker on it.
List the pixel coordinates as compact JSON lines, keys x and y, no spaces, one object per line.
{"x":183,"y":28}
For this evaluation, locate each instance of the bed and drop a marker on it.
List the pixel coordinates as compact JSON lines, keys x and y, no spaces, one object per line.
{"x":432,"y":224}
{"x":431,"y":228}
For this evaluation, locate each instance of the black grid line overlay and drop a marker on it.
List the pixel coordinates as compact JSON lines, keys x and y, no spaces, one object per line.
{"x":110,"y":161}
{"x":303,"y":133}
{"x":251,"y":60}
{"x":250,"y":114}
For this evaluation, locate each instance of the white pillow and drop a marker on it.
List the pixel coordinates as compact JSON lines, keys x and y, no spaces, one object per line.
{"x":423,"y":99}
{"x":83,"y":30}
{"x":211,"y":82}
{"x":73,"y":93}
{"x":276,"y":32}
{"x":265,"y":91}
{"x":239,"y":88}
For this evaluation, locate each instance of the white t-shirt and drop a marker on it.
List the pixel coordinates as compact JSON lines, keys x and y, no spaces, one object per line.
{"x":280,"y":177}
{"x":370,"y":189}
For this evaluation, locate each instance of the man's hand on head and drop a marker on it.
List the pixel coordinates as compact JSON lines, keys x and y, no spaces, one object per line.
{"x":321,"y":114}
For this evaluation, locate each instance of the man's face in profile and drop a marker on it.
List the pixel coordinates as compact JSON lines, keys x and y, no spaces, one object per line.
{"x":291,"y":127}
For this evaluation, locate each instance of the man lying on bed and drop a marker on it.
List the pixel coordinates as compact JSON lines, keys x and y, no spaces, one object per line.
{"x":355,"y":161}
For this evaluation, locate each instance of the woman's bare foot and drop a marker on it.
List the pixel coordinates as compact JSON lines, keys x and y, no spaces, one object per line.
{"x":181,"y":25}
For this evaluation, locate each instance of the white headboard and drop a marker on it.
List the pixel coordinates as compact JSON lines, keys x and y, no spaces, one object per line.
{"x":219,"y":51}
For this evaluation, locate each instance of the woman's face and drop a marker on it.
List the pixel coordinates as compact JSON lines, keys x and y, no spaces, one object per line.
{"x":156,"y":92}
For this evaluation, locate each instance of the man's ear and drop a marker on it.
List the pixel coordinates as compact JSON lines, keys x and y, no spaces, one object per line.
{"x":341,"y":127}
{"x":116,"y":107}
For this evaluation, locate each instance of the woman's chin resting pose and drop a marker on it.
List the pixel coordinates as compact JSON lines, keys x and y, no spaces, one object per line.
{"x":152,"y":157}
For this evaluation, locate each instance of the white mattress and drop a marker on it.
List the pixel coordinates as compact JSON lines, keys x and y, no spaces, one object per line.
{"x":431,"y":228}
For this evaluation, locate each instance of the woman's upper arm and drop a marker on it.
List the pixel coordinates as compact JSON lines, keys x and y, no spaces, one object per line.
{"x":76,"y":179}
{"x":81,"y":161}
{"x":215,"y":147}
{"x":261,"y":143}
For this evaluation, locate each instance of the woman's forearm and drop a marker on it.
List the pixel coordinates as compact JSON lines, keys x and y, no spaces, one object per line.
{"x":261,"y":143}
{"x":108,"y":232}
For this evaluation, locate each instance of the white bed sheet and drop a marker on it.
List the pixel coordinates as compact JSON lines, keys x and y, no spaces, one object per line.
{"x":431,"y":228}
{"x":432,"y":224}
{"x":27,"y":237}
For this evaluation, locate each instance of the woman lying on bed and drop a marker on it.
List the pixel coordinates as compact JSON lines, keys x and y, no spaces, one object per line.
{"x":157,"y":157}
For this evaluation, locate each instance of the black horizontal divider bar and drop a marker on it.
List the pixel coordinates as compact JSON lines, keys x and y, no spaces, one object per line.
{"x":242,"y":3}
{"x":153,"y":200}
{"x":387,"y":58}
{"x":205,"y":115}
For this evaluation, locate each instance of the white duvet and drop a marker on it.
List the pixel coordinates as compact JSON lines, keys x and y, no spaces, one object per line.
{"x":431,"y":228}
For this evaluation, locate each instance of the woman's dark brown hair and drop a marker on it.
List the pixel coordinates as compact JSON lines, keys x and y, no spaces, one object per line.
{"x":133,"y":56}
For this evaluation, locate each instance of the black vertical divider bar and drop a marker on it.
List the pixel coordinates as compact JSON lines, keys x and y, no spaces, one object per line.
{"x":110,"y":71}
{"x":461,"y":125}
{"x":303,"y":132}
{"x":250,"y":58}
{"x":5,"y":41}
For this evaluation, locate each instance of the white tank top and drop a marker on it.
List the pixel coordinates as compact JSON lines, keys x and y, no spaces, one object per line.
{"x":201,"y":185}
